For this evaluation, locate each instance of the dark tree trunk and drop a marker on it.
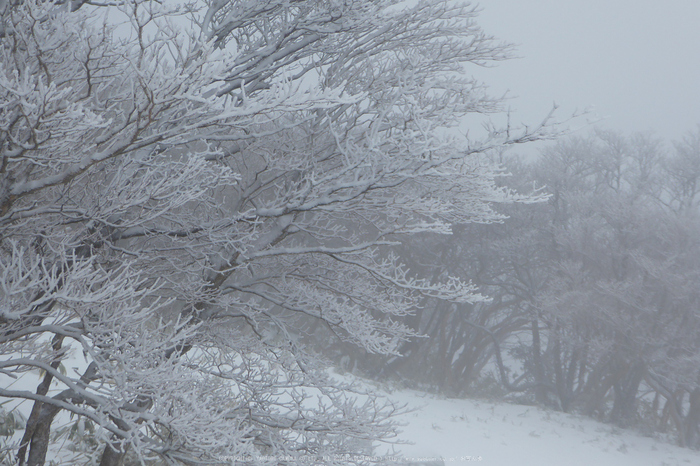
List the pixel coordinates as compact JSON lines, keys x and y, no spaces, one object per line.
{"x":559,"y":382}
{"x":540,"y":387}
{"x":574,"y":363}
{"x":39,"y":444}
{"x":34,"y":417}
{"x":565,"y":365}
{"x":692,"y":421}
{"x":625,"y":389}
{"x":597,"y":386}
{"x":39,"y":437}
{"x":113,"y":454}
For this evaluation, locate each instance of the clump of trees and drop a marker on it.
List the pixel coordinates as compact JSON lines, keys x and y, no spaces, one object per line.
{"x":621,"y":315}
{"x":594,"y":293}
{"x":186,"y":191}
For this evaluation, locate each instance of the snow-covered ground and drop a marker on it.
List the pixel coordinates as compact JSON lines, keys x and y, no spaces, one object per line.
{"x":484,"y":433}
{"x":497,"y":434}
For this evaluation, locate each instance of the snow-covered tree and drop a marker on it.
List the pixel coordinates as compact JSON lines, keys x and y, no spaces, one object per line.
{"x":608,"y":271}
{"x":184,"y":189}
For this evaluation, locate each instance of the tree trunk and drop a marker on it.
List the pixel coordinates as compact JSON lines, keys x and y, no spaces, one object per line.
{"x":625,"y":389}
{"x":692,"y":421}
{"x":559,"y":382}
{"x":599,"y":382}
{"x":34,"y":417}
{"x":40,"y":437}
{"x":113,"y":454}
{"x":540,"y":390}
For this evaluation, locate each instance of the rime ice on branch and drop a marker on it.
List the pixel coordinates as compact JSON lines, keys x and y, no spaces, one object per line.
{"x":183,"y":191}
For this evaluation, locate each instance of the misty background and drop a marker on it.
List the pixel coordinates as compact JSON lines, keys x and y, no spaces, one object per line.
{"x":635,"y":64}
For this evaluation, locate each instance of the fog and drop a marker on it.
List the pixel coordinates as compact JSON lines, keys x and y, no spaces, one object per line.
{"x":635,"y":64}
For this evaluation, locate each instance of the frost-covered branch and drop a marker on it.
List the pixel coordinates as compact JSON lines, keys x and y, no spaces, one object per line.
{"x":186,"y":190}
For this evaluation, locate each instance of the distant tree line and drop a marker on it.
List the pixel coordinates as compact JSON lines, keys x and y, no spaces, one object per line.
{"x":594,"y":293}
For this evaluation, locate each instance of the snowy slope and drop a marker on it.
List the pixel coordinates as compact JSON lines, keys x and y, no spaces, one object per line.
{"x":490,"y":434}
{"x":482,"y":433}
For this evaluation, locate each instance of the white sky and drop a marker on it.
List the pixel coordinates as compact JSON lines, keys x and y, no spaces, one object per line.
{"x":637,"y":62}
